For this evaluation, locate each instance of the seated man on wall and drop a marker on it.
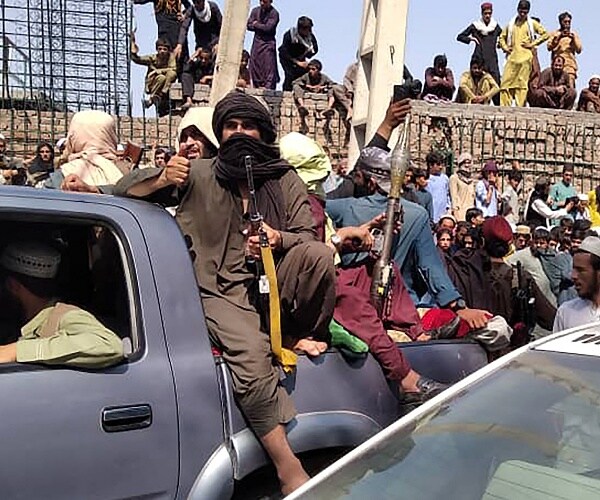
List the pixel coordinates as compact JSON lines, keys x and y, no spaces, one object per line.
{"x":244,"y":79}
{"x":589,"y":100}
{"x":162,"y":71}
{"x":315,"y":82}
{"x":439,"y":81}
{"x":198,"y":69}
{"x":54,"y":333}
{"x":477,"y":86}
{"x":554,"y":90}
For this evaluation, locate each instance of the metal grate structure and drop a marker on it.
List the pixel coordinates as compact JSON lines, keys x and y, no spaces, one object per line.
{"x":65,"y":55}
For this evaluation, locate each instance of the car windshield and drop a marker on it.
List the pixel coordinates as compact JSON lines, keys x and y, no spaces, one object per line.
{"x":530,"y":430}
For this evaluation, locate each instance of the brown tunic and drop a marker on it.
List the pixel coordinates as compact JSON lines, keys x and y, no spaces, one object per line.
{"x":545,"y":94}
{"x":589,"y":101}
{"x":211,"y":215}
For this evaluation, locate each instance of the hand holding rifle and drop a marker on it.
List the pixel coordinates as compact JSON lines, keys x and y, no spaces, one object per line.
{"x":273,"y":237}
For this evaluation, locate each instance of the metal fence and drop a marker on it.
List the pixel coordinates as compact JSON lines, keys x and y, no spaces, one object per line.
{"x":61,"y":54}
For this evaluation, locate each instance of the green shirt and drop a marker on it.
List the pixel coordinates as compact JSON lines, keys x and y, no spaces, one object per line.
{"x":80,"y":341}
{"x":559,"y":193}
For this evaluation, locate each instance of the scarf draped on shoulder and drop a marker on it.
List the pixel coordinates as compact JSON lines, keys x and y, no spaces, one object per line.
{"x":205,"y":14}
{"x":511,"y":28}
{"x":485,"y":29}
{"x":297,"y":38}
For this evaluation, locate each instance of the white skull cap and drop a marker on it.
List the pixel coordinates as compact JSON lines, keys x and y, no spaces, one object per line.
{"x":591,"y":244}
{"x":30,"y":258}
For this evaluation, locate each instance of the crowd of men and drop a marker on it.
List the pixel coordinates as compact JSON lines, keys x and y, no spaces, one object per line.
{"x":258,"y":68}
{"x":460,"y":244}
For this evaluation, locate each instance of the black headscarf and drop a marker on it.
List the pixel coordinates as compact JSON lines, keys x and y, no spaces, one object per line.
{"x":268,"y":167}
{"x":39,"y":167}
{"x":238,"y":104}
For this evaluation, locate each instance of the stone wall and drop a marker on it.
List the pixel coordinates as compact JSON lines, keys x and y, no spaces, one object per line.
{"x":27,"y":128}
{"x":542,"y":141}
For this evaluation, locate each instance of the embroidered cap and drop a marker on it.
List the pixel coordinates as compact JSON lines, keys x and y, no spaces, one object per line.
{"x":33,"y":259}
{"x":524,"y":230}
{"x":377,"y":163}
{"x":591,"y":244}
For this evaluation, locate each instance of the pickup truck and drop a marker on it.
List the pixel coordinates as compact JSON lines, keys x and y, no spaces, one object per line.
{"x":164,"y":423}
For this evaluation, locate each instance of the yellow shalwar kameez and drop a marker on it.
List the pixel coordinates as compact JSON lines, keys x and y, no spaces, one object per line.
{"x":515,"y":80}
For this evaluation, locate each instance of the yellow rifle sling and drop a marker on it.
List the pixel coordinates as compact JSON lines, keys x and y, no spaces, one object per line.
{"x":286,"y":358}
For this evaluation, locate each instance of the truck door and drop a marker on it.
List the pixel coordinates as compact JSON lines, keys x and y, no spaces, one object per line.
{"x":77,"y":433}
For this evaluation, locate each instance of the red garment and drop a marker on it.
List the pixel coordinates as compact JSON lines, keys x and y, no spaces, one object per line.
{"x":317,"y":208}
{"x":436,"y":318}
{"x":354,"y":311}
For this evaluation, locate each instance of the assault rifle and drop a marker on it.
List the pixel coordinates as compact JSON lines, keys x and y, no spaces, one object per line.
{"x":383,"y":275}
{"x":267,"y":276}
{"x":525,"y":302}
{"x":256,"y":227}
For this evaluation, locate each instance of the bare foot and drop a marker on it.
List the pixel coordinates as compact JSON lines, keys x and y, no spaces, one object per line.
{"x":409,"y":383}
{"x":294,"y":481}
{"x":310,"y":347}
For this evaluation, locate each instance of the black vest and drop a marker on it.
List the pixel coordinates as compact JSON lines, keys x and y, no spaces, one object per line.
{"x":531,"y":216}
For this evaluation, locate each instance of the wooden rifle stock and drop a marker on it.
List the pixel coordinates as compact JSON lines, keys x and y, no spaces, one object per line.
{"x":383,"y":275}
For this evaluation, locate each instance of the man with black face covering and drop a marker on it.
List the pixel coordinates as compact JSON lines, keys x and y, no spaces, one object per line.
{"x":213,"y":205}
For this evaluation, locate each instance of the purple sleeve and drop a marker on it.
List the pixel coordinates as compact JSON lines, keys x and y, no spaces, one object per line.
{"x":253,"y":17}
{"x":270,"y":26}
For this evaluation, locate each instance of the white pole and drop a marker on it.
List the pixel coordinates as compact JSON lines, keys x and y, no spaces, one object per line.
{"x":381,"y":53}
{"x":231,"y":44}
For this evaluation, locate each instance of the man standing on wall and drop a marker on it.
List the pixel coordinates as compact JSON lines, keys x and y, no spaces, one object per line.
{"x":263,"y":22}
{"x":484,"y":34}
{"x":299,"y":44}
{"x":567,"y":44}
{"x":518,"y":41}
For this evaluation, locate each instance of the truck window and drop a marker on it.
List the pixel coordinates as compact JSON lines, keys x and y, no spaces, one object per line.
{"x":92,"y":275}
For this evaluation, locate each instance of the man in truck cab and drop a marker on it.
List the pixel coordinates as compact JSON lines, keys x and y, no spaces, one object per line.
{"x":213,"y":199}
{"x":53,"y":333}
